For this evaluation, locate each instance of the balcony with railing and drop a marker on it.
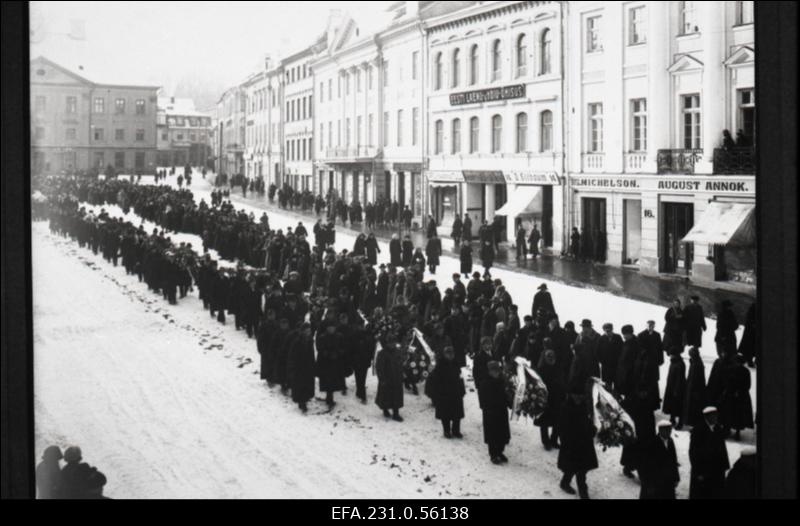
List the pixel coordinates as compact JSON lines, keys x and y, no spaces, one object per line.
{"x":594,"y":162}
{"x":635,"y":161}
{"x":735,"y":161}
{"x":678,"y":161}
{"x":351,"y":153}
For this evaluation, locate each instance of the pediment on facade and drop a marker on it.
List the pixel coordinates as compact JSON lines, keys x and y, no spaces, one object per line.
{"x":343,"y":35}
{"x":44,"y":71}
{"x":741,"y":55}
{"x":685,"y":63}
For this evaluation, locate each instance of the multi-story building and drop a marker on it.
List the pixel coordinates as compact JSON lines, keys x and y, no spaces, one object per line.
{"x":183,"y":133}
{"x":232,"y":115}
{"x":651,"y":88}
{"x":81,"y":126}
{"x":257,"y":124}
{"x":494,"y":116}
{"x":298,"y":117}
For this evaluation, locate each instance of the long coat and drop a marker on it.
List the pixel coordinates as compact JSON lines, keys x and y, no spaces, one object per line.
{"x":408,"y":252}
{"x":395,"y":252}
{"x":447,"y":390}
{"x":749,"y":345}
{"x":674,"y":328}
{"x":694,"y":399}
{"x":465,"y":256}
{"x":576,"y":433}
{"x":300,"y":369}
{"x":389,"y":368}
{"x":726,"y":331}
{"x":709,"y":458}
{"x":675,"y":391}
{"x":331,"y":362}
{"x":736,"y":407}
{"x":694,"y":323}
{"x":487,"y":254}
{"x":553,"y":378}
{"x":433,"y":250}
{"x":658,"y":470}
{"x":742,"y":480}
{"x":542,"y":300}
{"x":266,"y":333}
{"x":494,"y":405}
{"x":372,"y":251}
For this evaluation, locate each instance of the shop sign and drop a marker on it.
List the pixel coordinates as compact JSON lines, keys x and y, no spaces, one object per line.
{"x":488,"y":95}
{"x":445,"y":176}
{"x":484,"y":176}
{"x":549,"y":178}
{"x":688,"y":185}
{"x":605,"y":182}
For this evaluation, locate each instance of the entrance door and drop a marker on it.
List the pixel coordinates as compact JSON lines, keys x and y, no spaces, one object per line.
{"x":593,"y":225}
{"x":401,"y":189}
{"x":356,"y":193}
{"x":678,"y":220}
{"x":500,"y":199}
{"x":632,"y":231}
{"x":547,"y":216}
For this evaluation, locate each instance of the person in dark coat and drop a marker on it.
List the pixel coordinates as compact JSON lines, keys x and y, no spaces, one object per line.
{"x":741,"y":483}
{"x":726,"y":329}
{"x":457,"y":230}
{"x":487,"y":255}
{"x":674,"y":326}
{"x":433,"y":250}
{"x":519,"y":241}
{"x":447,"y":391}
{"x":543,"y":301}
{"x":264,"y":339}
{"x":675,"y":391}
{"x":494,"y":406}
{"x":577,"y":454}
{"x":466,"y":232}
{"x":718,"y":379}
{"x":48,"y":474}
{"x":330,"y":363}
{"x":736,"y":406}
{"x":300,"y":368}
{"x":395,"y":252}
{"x":362,"y":354}
{"x":694,"y":398}
{"x":430,"y":229}
{"x":659,"y":468}
{"x":709,"y":458}
{"x":480,"y":364}
{"x":553,"y":377}
{"x":408,"y":251}
{"x":608,"y":352}
{"x":372,"y":249}
{"x":650,"y":340}
{"x":635,"y":378}
{"x":465,"y":257}
{"x":389,"y":369}
{"x":534,"y":239}
{"x":694,"y":320}
{"x":749,"y":345}
{"x":575,"y":244}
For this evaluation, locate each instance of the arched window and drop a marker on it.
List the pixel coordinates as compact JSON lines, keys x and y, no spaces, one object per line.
{"x":546,"y":131}
{"x":545,"y":50}
{"x":522,"y":55}
{"x":522,"y":132}
{"x":497,"y":133}
{"x":455,"y":137}
{"x":439,"y":138}
{"x":474,"y":134}
{"x":473,"y":65}
{"x":456,"y":68}
{"x":437,"y":73}
{"x":497,"y":59}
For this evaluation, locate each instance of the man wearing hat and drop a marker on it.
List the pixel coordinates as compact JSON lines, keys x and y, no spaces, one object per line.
{"x":459,"y":290}
{"x":542,"y":300}
{"x":709,"y":457}
{"x":694,"y":320}
{"x":474,"y":287}
{"x":493,"y":403}
{"x":726,"y":329}
{"x":650,"y":340}
{"x":608,"y":352}
{"x":584,"y":364}
{"x":658,"y":469}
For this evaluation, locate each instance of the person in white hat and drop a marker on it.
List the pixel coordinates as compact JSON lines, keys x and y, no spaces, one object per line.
{"x":709,"y":457}
{"x":658,"y":468}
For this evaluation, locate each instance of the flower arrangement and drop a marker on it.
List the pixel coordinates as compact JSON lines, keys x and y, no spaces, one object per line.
{"x":387,"y":329}
{"x":525,"y":390}
{"x":614,"y":426}
{"x":419,"y":360}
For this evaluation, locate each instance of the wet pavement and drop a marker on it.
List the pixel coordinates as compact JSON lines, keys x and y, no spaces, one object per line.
{"x":628,"y":283}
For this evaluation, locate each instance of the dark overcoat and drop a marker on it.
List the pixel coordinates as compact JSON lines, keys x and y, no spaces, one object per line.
{"x":447,"y":390}
{"x":675,"y":391}
{"x":331,"y":362}
{"x":494,"y":404}
{"x":300,"y":369}
{"x":576,"y":433}
{"x":389,"y":368}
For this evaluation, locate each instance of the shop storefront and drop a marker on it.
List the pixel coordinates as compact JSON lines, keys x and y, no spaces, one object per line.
{"x":695,"y":226}
{"x":532,"y":200}
{"x":446,"y":198}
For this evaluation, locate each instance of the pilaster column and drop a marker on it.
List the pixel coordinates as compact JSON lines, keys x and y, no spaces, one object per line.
{"x":659,"y":82}
{"x":712,"y":100}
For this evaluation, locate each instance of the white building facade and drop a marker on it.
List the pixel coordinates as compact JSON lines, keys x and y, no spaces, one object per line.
{"x":298,"y":119}
{"x":650,"y":88}
{"x":494,"y":120}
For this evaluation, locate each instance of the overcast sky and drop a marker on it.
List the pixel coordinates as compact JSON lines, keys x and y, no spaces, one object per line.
{"x":176,"y":44}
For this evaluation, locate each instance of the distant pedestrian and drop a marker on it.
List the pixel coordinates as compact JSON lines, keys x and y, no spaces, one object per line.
{"x":694,"y":322}
{"x":534,"y":239}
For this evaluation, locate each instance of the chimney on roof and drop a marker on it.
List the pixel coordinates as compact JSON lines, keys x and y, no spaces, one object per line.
{"x":267,"y":62}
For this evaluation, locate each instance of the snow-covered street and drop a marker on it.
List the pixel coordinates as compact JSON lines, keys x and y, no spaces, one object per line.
{"x":168,"y":403}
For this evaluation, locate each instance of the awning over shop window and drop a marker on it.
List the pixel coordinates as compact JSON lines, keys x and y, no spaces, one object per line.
{"x":729,"y":224}
{"x":522,"y":201}
{"x":484,"y":176}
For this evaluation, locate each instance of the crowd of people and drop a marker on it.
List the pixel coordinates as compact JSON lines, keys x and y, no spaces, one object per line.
{"x":321,"y":314}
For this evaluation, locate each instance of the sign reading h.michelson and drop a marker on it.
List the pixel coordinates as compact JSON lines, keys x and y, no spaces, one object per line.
{"x":488,"y":95}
